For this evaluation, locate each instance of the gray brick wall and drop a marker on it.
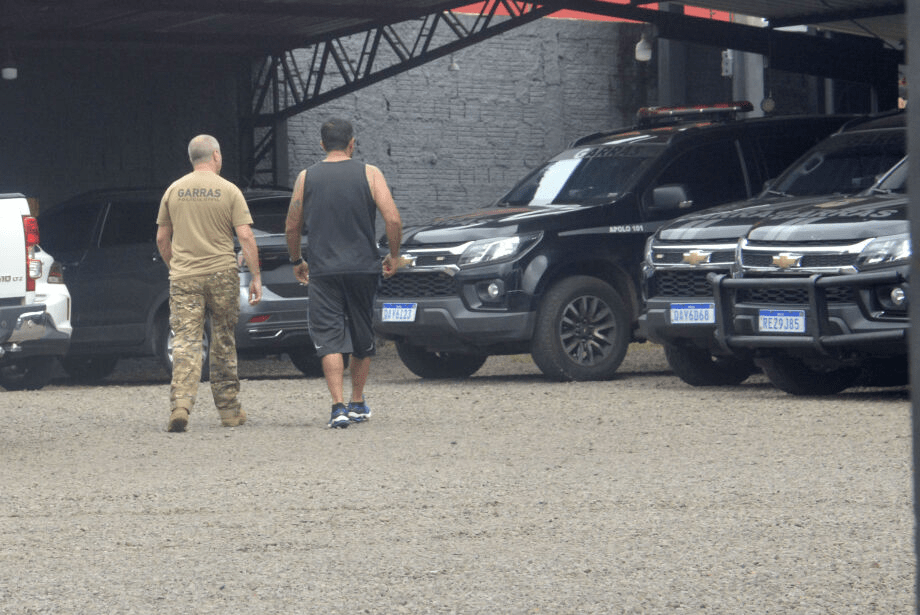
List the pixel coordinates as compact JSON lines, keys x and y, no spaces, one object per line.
{"x":449,"y":141}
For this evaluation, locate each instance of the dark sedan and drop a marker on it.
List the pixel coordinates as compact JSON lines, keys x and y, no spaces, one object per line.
{"x":106,"y":243}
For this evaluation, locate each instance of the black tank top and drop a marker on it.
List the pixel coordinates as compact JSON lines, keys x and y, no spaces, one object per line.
{"x":340,"y":216}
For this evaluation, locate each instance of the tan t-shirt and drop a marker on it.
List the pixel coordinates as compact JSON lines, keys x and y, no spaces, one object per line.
{"x":203,"y":209}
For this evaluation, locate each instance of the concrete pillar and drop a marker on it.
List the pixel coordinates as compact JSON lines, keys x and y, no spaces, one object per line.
{"x":747,"y":80}
{"x":672,"y":65}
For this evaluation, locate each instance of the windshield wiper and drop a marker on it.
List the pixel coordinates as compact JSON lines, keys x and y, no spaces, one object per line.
{"x":772,"y":192}
{"x":877,"y":190}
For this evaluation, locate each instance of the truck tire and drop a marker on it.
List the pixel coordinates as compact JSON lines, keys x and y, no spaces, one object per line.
{"x":795,"y":377}
{"x":698,"y":367}
{"x":582,"y":331}
{"x":89,"y":368}
{"x":427,"y":364}
{"x":164,"y":346}
{"x":308,"y":363}
{"x":27,"y":374}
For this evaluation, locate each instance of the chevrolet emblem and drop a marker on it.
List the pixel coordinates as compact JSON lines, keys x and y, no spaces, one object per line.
{"x":696,"y":257}
{"x":787,"y":260}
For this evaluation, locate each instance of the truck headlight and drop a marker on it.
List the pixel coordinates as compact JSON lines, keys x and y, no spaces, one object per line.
{"x":648,"y":250}
{"x":885,"y":251}
{"x":497,"y":249}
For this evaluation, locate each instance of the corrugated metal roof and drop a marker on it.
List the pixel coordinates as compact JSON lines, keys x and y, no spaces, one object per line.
{"x":880,"y":18}
{"x":233,"y":25}
{"x":258,"y":26}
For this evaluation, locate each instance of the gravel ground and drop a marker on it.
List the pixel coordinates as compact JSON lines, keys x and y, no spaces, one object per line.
{"x":503,"y":493}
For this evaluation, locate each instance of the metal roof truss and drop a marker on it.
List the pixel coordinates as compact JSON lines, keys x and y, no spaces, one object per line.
{"x":292,"y":81}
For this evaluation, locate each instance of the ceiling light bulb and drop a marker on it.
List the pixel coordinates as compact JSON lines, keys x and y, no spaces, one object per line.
{"x":643,"y":49}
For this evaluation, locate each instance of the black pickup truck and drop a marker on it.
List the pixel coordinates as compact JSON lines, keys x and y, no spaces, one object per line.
{"x":553,"y":267}
{"x":680,"y":310}
{"x":820,"y":293}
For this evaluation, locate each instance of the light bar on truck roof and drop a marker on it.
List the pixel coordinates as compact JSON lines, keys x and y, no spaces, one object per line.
{"x":660,"y":115}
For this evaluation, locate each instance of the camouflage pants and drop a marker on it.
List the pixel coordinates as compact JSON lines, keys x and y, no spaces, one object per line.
{"x":191,"y":300}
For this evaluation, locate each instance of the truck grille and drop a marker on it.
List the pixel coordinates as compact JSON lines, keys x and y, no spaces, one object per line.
{"x":676,"y":257}
{"x":437,"y":259}
{"x":427,"y":284}
{"x":809,"y":261}
{"x":682,"y":284}
{"x":790,"y":296}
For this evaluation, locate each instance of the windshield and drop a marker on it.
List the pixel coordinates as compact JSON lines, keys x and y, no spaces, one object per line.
{"x":269,"y":215}
{"x":895,"y":180}
{"x":68,"y":229}
{"x":589,"y":176}
{"x":848,"y":166}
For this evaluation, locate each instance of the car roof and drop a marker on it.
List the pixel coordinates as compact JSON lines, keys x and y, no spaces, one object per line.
{"x":886,"y":121}
{"x":147,"y":194}
{"x":889,"y":121}
{"x":678,"y":121}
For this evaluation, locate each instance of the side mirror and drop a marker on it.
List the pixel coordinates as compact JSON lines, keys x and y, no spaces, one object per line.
{"x":670,"y":197}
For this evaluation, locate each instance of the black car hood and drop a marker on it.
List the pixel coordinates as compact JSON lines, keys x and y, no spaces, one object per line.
{"x":846,"y":219}
{"x":484,"y":224}
{"x":730,"y":221}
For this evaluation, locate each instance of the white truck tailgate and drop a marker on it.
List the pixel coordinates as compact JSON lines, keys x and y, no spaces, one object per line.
{"x":12,"y":248}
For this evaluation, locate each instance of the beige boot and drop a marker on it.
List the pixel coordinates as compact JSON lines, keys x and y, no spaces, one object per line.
{"x":232,"y":418}
{"x":178,"y":420}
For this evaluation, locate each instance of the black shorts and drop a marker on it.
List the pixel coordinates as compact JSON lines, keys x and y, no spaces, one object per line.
{"x":341,"y":314}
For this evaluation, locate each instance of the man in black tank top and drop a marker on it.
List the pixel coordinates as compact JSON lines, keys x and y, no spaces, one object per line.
{"x":338,"y":200}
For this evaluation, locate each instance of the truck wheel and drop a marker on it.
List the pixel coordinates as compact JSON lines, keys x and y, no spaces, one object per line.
{"x":698,"y":367}
{"x":89,"y":368}
{"x":28,"y":373}
{"x":308,"y":363}
{"x":582,"y":330}
{"x":795,"y":377}
{"x":164,"y":348}
{"x":438,"y":364}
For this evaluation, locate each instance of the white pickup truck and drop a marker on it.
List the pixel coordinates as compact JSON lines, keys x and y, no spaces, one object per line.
{"x":34,"y":302}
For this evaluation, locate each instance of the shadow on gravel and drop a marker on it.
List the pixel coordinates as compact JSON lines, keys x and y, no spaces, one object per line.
{"x":658,"y":373}
{"x":901,"y":393}
{"x":491,"y":379}
{"x":278,"y":377}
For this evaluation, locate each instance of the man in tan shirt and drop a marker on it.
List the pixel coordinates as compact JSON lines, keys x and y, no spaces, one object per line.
{"x":199,"y":214}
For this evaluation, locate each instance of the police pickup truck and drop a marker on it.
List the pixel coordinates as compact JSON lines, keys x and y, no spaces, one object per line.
{"x":819,"y":294}
{"x":680,"y":311}
{"x":553,"y":267}
{"x":34,"y":302}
